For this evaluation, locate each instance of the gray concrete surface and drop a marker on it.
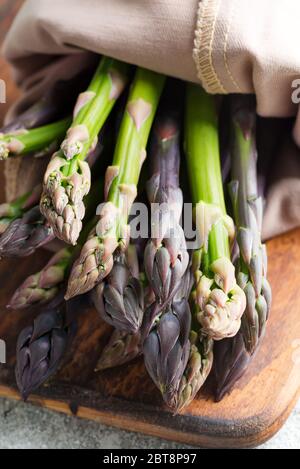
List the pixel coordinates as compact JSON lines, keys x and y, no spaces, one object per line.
{"x":23,"y":426}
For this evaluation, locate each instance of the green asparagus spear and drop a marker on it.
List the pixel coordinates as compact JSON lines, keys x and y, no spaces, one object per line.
{"x":112,"y":232}
{"x":68,"y":178}
{"x":23,"y":142}
{"x":221,"y":302}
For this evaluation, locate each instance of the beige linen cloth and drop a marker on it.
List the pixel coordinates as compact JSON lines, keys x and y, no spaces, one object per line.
{"x":229,"y":46}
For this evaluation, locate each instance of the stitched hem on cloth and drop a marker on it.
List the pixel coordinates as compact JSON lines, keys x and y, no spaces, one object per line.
{"x":203,"y":46}
{"x":232,"y":16}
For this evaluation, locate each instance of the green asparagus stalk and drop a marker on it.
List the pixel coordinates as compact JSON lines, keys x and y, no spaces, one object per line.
{"x":220,"y":300}
{"x":112,"y":232}
{"x":94,"y":106}
{"x":68,"y":178}
{"x":23,"y":142}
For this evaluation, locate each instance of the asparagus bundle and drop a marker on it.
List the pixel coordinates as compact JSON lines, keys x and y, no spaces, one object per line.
{"x":166,"y":256}
{"x":229,"y":305}
{"x":236,"y":355}
{"x":67,"y":179}
{"x":220,"y":301}
{"x":112,"y":232}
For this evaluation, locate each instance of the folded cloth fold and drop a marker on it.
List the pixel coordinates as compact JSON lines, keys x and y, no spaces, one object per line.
{"x":156,"y":34}
{"x":282,"y":211}
{"x":247,"y":46}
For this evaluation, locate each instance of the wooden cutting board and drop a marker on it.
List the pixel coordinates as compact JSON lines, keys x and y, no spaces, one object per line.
{"x":126,"y":397}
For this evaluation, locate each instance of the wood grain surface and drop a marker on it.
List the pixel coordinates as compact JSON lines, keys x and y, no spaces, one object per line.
{"x":126,"y":397}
